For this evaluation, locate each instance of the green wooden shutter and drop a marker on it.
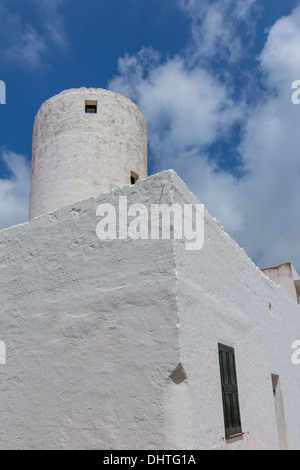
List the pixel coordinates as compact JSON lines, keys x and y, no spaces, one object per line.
{"x":230,"y":395}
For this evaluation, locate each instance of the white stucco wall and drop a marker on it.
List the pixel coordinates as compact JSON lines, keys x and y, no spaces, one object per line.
{"x":77,"y":155}
{"x":93,"y":330}
{"x":224,"y":298}
{"x":90,"y":329}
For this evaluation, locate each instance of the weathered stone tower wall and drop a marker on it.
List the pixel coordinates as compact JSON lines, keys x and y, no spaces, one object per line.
{"x":85,"y":142}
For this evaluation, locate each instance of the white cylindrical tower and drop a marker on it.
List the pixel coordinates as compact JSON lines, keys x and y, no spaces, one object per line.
{"x":85,"y":142}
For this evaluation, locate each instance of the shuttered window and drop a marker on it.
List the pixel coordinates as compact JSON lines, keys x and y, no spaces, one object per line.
{"x":230,"y":395}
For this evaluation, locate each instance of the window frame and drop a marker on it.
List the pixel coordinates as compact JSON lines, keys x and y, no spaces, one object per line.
{"x":91,"y":104}
{"x":230,"y":394}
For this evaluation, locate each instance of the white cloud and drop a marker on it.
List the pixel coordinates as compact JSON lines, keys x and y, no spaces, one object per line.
{"x":271,"y":152}
{"x":30,"y":48}
{"x":30,"y":44}
{"x":280,"y":57}
{"x":187,"y":109}
{"x":14,"y":190}
{"x":214,"y":26}
{"x":56,"y":33}
{"x":53,"y":22}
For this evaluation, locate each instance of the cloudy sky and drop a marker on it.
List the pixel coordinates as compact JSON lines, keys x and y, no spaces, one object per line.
{"x":212,"y":78}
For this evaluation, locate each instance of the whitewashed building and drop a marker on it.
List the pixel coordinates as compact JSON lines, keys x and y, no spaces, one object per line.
{"x":133,"y":343}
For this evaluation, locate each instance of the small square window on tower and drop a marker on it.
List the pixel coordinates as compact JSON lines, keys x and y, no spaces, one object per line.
{"x":91,"y":107}
{"x":133,"y":177}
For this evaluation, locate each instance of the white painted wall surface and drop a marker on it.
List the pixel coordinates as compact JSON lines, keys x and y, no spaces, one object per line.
{"x":224,"y":298}
{"x":93,"y":329}
{"x":76,"y":155}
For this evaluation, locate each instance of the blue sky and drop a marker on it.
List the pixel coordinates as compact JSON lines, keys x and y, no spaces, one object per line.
{"x":212,"y":78}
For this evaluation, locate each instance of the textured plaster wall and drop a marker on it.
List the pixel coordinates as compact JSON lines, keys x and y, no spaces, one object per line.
{"x":91,"y":331}
{"x":77,"y":155}
{"x":113,"y":344}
